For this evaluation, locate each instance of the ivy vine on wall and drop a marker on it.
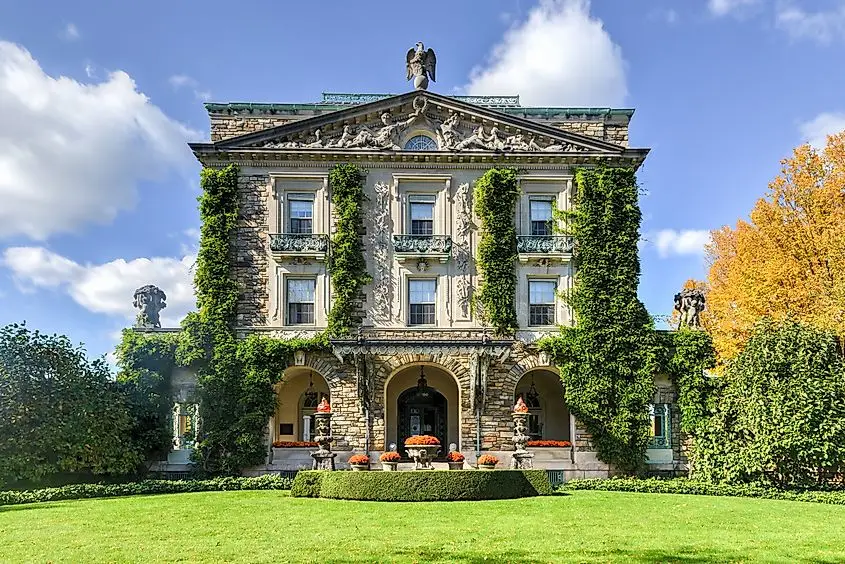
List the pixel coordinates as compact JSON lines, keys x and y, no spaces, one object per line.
{"x":496,"y":194}
{"x":347,"y":264}
{"x":608,"y":360}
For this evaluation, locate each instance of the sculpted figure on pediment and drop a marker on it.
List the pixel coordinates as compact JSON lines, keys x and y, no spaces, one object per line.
{"x":386,"y":137}
{"x":448,"y":135}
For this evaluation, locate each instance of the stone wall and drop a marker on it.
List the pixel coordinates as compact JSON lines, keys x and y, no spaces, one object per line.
{"x":252,"y":251}
{"x":225,"y":126}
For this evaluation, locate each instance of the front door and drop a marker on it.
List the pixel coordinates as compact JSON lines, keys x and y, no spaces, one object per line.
{"x":422,"y":414}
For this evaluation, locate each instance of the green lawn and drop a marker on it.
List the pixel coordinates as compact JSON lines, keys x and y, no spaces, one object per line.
{"x":269,"y":526}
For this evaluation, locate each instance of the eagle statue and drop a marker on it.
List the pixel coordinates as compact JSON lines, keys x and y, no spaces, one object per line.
{"x":420,"y":64}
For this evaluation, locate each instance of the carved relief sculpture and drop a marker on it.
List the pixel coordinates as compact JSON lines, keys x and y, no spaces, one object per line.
{"x":380,"y":241}
{"x":149,"y":300}
{"x":462,"y":251}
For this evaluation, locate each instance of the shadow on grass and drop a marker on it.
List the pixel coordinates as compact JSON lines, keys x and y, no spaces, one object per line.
{"x":26,"y":506}
{"x":682,"y":555}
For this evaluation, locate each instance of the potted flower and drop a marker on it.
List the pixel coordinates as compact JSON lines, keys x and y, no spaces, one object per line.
{"x":389,"y":460}
{"x":455,"y":460}
{"x":487,"y":462}
{"x":359,"y":462}
{"x":422,"y":448}
{"x":549,"y":444}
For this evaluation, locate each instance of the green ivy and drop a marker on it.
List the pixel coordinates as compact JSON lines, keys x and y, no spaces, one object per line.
{"x":608,"y":360}
{"x":689,"y":353}
{"x":145,"y":364}
{"x":347,"y":265}
{"x":496,"y":194}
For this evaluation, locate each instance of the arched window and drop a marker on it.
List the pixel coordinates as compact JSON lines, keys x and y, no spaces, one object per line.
{"x":421,"y":143}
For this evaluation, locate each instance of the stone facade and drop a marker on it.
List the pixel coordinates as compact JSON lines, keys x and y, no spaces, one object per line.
{"x":285,"y":152}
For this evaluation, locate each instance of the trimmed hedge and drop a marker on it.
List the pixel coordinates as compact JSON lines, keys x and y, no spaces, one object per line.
{"x":146,"y":487}
{"x":433,"y":485}
{"x":307,"y":483}
{"x":693,"y":487}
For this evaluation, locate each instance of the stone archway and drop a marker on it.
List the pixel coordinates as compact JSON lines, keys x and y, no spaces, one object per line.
{"x":297,"y":396}
{"x":549,"y":416}
{"x":432,"y":409}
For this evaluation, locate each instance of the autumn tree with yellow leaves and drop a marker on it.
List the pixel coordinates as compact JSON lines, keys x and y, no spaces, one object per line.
{"x":789,"y":259}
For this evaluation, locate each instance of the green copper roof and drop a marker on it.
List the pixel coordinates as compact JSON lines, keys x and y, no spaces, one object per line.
{"x":333,"y":101}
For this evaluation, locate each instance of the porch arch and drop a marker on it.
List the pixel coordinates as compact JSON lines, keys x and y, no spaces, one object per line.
{"x":297,"y":395}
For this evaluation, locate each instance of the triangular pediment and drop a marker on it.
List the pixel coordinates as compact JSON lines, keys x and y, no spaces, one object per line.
{"x":419,"y":121}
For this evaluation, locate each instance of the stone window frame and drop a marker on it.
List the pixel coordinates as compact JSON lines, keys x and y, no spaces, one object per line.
{"x":438,"y":185}
{"x":283,"y":184}
{"x":559,"y":188}
{"x":287,"y":280}
{"x":321,"y":299}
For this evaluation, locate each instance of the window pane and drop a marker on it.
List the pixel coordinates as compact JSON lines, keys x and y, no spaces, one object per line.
{"x":541,"y":210}
{"x":300,"y":225}
{"x":541,"y":315}
{"x":301,"y":209}
{"x":301,"y":291}
{"x":300,"y":313}
{"x":541,"y":228}
{"x":422,"y":314}
{"x":541,"y":292}
{"x":422,"y":291}
{"x":422,"y":210}
{"x":422,"y":227}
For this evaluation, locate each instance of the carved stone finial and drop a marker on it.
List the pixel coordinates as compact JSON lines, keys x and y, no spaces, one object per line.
{"x":689,"y":303}
{"x":420,"y":65}
{"x":149,"y":300}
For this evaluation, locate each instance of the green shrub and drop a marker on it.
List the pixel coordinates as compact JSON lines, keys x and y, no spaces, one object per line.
{"x":434,"y":485}
{"x":147,"y":487}
{"x":693,"y":487}
{"x":307,"y":483}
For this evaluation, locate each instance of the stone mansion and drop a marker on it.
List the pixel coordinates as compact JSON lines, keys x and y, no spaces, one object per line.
{"x":423,"y":362}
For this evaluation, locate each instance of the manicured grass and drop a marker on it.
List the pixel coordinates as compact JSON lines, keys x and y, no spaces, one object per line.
{"x":270,"y":526}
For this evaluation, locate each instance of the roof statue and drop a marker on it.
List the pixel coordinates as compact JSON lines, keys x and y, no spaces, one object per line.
{"x":689,"y":303}
{"x":420,"y":64}
{"x":149,"y":300}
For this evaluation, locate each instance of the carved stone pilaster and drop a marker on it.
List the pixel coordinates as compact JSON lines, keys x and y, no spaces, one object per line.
{"x":380,"y":241}
{"x":461,"y":248}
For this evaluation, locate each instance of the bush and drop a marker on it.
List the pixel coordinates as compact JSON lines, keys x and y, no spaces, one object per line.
{"x":780,"y":415}
{"x":146,"y":487}
{"x":693,"y":487}
{"x":308,"y":483}
{"x":433,"y":485}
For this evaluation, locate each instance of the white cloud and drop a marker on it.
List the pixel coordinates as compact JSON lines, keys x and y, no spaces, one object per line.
{"x":178,"y":81}
{"x":670,"y":242}
{"x":822,"y":25}
{"x":73,"y":153}
{"x":726,"y":7}
{"x":106,"y":288}
{"x":560,"y":55}
{"x":816,"y":130}
{"x":70,"y":32}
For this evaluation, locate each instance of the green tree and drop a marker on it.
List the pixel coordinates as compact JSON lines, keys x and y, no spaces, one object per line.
{"x":59,"y":412}
{"x":780,"y":418}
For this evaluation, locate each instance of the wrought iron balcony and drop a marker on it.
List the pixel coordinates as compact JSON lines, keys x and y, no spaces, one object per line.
{"x":546,"y":246}
{"x":422,"y":246}
{"x":313,"y":245}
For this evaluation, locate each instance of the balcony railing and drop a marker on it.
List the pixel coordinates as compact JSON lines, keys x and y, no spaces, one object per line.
{"x":435,"y":246}
{"x":315,"y":245}
{"x":544,"y":244}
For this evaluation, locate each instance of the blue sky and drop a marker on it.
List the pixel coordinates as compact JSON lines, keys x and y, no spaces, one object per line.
{"x":97,"y":100}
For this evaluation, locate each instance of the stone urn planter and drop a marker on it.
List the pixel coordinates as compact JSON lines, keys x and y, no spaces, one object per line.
{"x":359,"y":462}
{"x":487,"y":462}
{"x":455,"y":460}
{"x":389,"y":466}
{"x":389,"y":461}
{"x":422,"y":449}
{"x":456,"y":465}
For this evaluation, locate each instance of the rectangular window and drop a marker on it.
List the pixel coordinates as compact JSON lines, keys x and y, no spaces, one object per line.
{"x":301,"y":213}
{"x":300,"y":300}
{"x":422,"y":215}
{"x":541,"y":302}
{"x":421,"y":301}
{"x":660,"y":422}
{"x":540,"y":212}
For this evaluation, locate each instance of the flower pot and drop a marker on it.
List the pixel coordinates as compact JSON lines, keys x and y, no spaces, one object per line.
{"x":422,"y":455}
{"x":486,"y":466}
{"x":389,"y":466}
{"x":360,"y":467}
{"x":456,"y":465}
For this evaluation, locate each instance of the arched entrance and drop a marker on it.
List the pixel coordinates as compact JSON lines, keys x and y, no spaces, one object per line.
{"x":422,"y":399}
{"x":548,"y":414}
{"x":298,"y":394}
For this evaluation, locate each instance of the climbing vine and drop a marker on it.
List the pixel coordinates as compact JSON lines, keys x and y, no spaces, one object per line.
{"x":608,"y":360}
{"x":496,"y":194}
{"x":348,"y":266}
{"x":688,"y":354}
